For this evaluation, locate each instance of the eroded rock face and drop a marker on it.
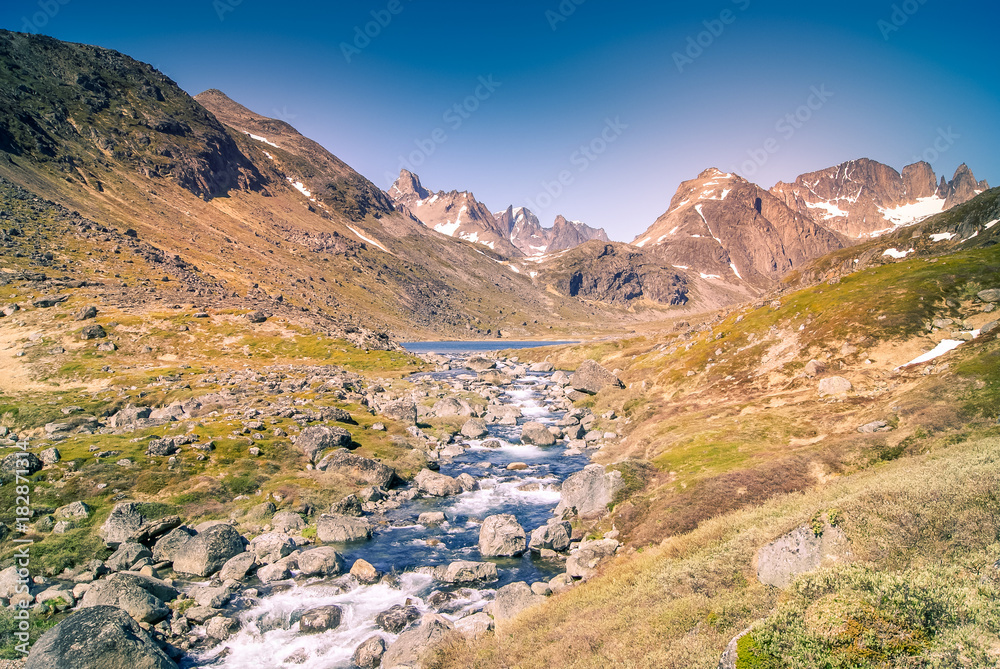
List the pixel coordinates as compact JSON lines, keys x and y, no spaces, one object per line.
{"x":100,"y":636}
{"x":591,"y":378}
{"x":589,"y":491}
{"x":501,"y":535}
{"x":801,"y":551}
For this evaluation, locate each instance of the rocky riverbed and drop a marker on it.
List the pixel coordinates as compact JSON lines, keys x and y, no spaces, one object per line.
{"x":492,"y":525}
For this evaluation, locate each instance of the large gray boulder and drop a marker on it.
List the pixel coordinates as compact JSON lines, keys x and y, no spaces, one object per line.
{"x":357,"y":468}
{"x":501,"y":536}
{"x":513,"y":598}
{"x":21,"y":463}
{"x":474,"y":428}
{"x":466,"y":571}
{"x":322,"y":561}
{"x":450,"y":406}
{"x":166,"y":546}
{"x":123,"y":521}
{"x":478,"y":363}
{"x":314,"y":440}
{"x":142,"y":597}
{"x":989,"y":295}
{"x":591,"y":378}
{"x":834,"y":385}
{"x":439,"y":485}
{"x":100,"y":637}
{"x":127,"y":555}
{"x":396,"y":618}
{"x":589,"y":491}
{"x":369,"y":654}
{"x":537,"y":434}
{"x":405,"y":411}
{"x":554,"y":536}
{"x":73,"y":511}
{"x":335,"y":528}
{"x":271,"y":547}
{"x":320,"y":619}
{"x":238,"y":566}
{"x":205,"y":553}
{"x":584,"y":561}
{"x":409,"y":649}
{"x":288,"y":522}
{"x":801,"y":551}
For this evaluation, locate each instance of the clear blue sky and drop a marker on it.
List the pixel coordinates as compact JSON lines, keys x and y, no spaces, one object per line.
{"x":887,"y":93}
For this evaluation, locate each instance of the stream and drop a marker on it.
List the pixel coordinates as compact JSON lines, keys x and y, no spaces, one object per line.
{"x":269,"y":636}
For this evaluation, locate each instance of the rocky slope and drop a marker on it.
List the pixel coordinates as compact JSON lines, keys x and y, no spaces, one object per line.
{"x":864,"y":198}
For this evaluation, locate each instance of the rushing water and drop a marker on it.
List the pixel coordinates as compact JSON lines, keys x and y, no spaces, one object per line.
{"x":269,"y":637}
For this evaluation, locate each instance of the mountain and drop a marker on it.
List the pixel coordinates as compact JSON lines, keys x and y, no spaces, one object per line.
{"x":732,"y":231}
{"x":864,"y":198}
{"x":528,"y":235}
{"x":455,"y":214}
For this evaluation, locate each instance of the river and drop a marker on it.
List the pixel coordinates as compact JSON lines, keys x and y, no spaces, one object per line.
{"x":269,"y":638}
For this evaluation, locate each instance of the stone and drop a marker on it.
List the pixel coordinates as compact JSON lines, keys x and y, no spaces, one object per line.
{"x":438,"y":485}
{"x":206,"y":553}
{"x":238,"y":566}
{"x":124,"y":519}
{"x":494,"y":377}
{"x":320,"y":619}
{"x":478,"y":363}
{"x":365,"y":572}
{"x":99,"y":636}
{"x":512,"y":599}
{"x":467,"y":482}
{"x":475,"y":626}
{"x":358,"y":468}
{"x":467,"y":571}
{"x":449,"y":407}
{"x":537,"y":434}
{"x":151,"y":529}
{"x":801,"y":551}
{"x":730,"y":654}
{"x":544,"y":366}
{"x":396,"y":618}
{"x":589,"y":491}
{"x":49,"y":301}
{"x":288,"y":522}
{"x":141,"y":597}
{"x":314,"y":440}
{"x":58,"y":597}
{"x":591,"y":378}
{"x":814,"y":368}
{"x":166,"y":546}
{"x":322,"y":561}
{"x":85,"y":313}
{"x":256,"y":316}
{"x":21,"y":463}
{"x":369,"y":654}
{"x":989,"y":327}
{"x":212,"y":597}
{"x":405,"y":411}
{"x":474,"y":428}
{"x":989,"y":295}
{"x":337,"y":529}
{"x":501,"y":536}
{"x":541,"y":588}
{"x":221,"y":627}
{"x":261,"y":512}
{"x":271,"y":573}
{"x":834,"y":385}
{"x":584,"y":561}
{"x":554,"y":535}
{"x":50,"y":456}
{"x":74,"y":511}
{"x":412,"y":645}
{"x":875,"y":426}
{"x":94,"y":331}
{"x":349,"y":506}
{"x":271,"y":547}
{"x":160,"y":448}
{"x":127,"y":555}
{"x":431,"y":518}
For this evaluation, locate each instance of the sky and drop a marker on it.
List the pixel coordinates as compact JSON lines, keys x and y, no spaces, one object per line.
{"x":591,"y":109}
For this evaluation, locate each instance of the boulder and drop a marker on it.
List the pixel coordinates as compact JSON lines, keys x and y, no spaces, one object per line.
{"x":537,"y":434}
{"x":801,"y":551}
{"x":730,"y":655}
{"x":349,"y":506}
{"x":206,"y":553}
{"x":320,"y":619}
{"x":73,"y":511}
{"x":478,"y":363}
{"x":212,"y":597}
{"x":591,"y":378}
{"x":271,"y":547}
{"x":438,"y":485}
{"x":583,"y":562}
{"x":450,"y":406}
{"x":221,"y":627}
{"x":151,"y":529}
{"x":501,"y":535}
{"x":474,"y":626}
{"x":495,"y":377}
{"x":405,"y":411}
{"x":261,"y":512}
{"x":814,"y":368}
{"x":10,"y":582}
{"x":357,"y":468}
{"x":50,"y":456}
{"x":129,"y":417}
{"x":337,"y":528}
{"x":875,"y":426}
{"x":238,"y":566}
{"x":466,"y":571}
{"x":322,"y":561}
{"x":272,"y":573}
{"x":989,"y":295}
{"x":102,"y":637}
{"x":513,"y":598}
{"x":589,"y":491}
{"x":369,"y":654}
{"x":314,"y":440}
{"x":431,"y":518}
{"x":85,"y":313}
{"x":166,"y":546}
{"x":545,"y":366}
{"x":474,"y":428}
{"x":94,"y":331}
{"x":21,"y":463}
{"x":364,"y":571}
{"x":288,"y":522}
{"x":554,"y":535}
{"x":49,"y":301}
{"x":256,"y":316}
{"x":124,"y":519}
{"x":141,"y":597}
{"x":127,"y":555}
{"x":396,"y":618}
{"x":408,"y":650}
{"x":834,"y":385}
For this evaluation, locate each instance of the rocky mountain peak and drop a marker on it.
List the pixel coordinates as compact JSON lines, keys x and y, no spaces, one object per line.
{"x":962,"y":187}
{"x":408,"y":183}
